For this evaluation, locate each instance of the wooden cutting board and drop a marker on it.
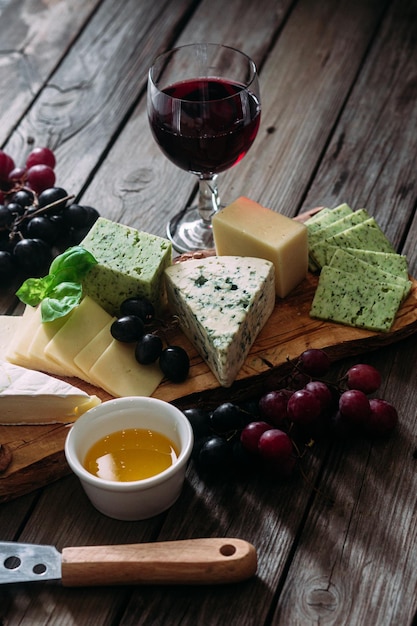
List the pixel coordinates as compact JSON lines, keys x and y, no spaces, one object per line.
{"x":37,"y":451}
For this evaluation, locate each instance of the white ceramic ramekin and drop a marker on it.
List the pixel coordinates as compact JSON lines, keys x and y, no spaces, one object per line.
{"x":139,"y":499}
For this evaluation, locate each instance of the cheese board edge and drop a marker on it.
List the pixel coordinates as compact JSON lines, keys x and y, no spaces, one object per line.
{"x":263,"y":368}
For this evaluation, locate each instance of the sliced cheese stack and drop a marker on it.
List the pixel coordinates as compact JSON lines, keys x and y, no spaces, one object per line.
{"x":246,"y":228}
{"x":222,"y":304}
{"x":362,"y":281}
{"x":80,"y":345}
{"x":29,"y":397}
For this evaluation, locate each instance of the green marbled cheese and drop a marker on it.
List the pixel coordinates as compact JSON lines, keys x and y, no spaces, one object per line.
{"x":339,"y":226}
{"x":350,"y":263}
{"x":327,"y":216}
{"x":366,"y":235}
{"x":130,"y":263}
{"x":348,"y":299}
{"x":322,"y":220}
{"x":391,"y":262}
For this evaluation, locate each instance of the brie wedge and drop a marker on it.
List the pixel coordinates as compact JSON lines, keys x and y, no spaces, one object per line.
{"x":30,"y":397}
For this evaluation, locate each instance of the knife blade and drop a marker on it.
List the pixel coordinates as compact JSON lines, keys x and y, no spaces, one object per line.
{"x":210,"y":560}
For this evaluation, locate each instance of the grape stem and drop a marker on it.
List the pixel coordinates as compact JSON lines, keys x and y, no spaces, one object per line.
{"x":43,"y":209}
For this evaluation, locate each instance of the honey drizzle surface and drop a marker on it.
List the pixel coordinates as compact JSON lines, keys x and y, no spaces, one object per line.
{"x":130,"y":454}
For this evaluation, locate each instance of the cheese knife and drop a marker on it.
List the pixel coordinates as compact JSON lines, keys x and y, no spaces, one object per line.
{"x":188,"y":562}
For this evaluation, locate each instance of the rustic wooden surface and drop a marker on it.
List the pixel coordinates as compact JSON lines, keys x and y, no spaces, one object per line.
{"x":339,"y":94}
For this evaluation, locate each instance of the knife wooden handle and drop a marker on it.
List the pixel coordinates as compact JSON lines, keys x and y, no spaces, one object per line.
{"x":190,"y":562}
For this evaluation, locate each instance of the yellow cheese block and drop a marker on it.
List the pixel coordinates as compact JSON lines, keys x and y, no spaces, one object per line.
{"x":80,"y":328}
{"x":121,"y":375}
{"x":88,"y":356}
{"x":245,"y":228}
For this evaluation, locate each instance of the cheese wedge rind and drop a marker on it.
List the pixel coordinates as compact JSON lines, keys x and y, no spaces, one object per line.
{"x":30,"y":397}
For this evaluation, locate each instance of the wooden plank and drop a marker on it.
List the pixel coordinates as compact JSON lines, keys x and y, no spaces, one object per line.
{"x":357,"y":558}
{"x":32,"y":44}
{"x":93,"y":89}
{"x":373,"y":168}
{"x":306,"y":80}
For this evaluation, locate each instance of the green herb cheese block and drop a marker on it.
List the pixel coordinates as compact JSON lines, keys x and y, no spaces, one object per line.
{"x":130,"y":263}
{"x":348,"y":299}
{"x":222,"y":303}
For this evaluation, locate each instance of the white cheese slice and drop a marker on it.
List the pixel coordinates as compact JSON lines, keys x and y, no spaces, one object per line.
{"x":35,"y":353}
{"x":222,"y":304}
{"x":80,"y":328}
{"x":17,"y":349}
{"x":9,"y":325}
{"x":118,"y":372}
{"x":29,"y":397}
{"x":90,"y":354}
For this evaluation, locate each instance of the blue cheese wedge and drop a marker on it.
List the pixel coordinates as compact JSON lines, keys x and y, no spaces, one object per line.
{"x":222,"y":304}
{"x":29,"y":397}
{"x":350,"y":299}
{"x":130,"y":263}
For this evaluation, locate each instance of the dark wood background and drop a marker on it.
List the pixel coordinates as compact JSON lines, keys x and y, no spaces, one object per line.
{"x":339,"y":123}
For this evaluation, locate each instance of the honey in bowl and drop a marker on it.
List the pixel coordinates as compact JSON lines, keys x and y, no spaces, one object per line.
{"x":130,"y":454}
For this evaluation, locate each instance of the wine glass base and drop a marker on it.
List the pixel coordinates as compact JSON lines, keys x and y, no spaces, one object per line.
{"x":188,"y":232}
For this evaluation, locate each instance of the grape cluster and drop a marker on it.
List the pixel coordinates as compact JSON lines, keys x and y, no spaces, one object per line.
{"x":274,"y":432}
{"x":137,"y":324}
{"x":37,"y":219}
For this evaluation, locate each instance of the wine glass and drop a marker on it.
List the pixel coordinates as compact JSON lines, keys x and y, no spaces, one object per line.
{"x":204,"y":112}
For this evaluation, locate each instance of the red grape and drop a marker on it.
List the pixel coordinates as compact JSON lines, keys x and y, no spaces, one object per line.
{"x":354,"y":405}
{"x":40,"y":177}
{"x":251,"y":434}
{"x":304,"y":407}
{"x":17,"y":174}
{"x":364,"y":377}
{"x":276,"y":449}
{"x":6,"y":165}
{"x":41,"y":156}
{"x":273,"y":406}
{"x":383,"y":418}
{"x":314,"y":362}
{"x":322,"y":393}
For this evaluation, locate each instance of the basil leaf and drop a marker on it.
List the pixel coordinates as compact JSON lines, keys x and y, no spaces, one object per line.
{"x":61,"y":290}
{"x":33,"y":290}
{"x":60,"y":301}
{"x":76,"y":260}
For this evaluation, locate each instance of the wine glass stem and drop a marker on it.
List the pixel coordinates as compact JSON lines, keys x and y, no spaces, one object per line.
{"x":208,"y":198}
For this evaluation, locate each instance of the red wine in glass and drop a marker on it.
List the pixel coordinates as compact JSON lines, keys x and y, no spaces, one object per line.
{"x":217,"y":125}
{"x":204,"y":112}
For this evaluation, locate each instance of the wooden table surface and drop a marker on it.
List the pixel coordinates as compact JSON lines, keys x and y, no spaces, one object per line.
{"x":339,"y":124}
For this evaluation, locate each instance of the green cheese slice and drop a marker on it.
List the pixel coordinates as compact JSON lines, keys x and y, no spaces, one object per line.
{"x":344,"y":298}
{"x":350,"y":263}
